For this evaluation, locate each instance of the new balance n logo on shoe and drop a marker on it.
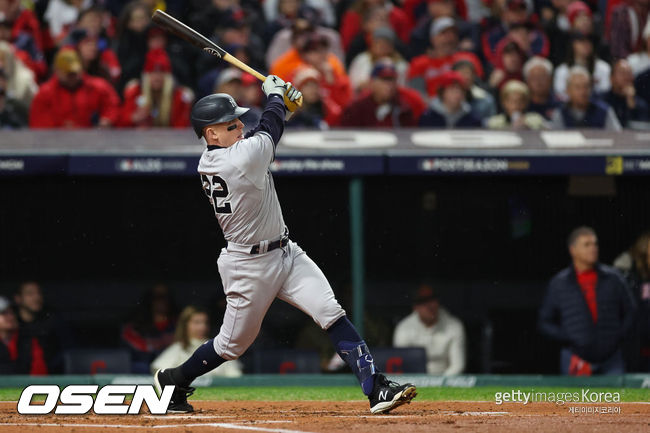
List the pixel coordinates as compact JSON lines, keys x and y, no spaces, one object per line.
{"x":388,"y":395}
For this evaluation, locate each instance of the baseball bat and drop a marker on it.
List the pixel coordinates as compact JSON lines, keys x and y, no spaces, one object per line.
{"x":195,"y":38}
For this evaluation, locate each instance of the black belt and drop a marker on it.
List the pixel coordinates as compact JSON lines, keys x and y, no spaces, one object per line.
{"x":272,"y":245}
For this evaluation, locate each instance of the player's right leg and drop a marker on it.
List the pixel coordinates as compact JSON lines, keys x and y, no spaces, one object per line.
{"x":250,"y":284}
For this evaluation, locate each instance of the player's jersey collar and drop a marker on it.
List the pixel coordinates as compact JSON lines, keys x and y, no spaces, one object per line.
{"x":210,"y":147}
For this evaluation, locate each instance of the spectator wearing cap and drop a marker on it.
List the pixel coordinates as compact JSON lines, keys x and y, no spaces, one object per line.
{"x":580,"y":18}
{"x":313,"y":50}
{"x":420,"y":41}
{"x":97,"y":59}
{"x":131,"y":46}
{"x":373,"y":19}
{"x":450,"y":108}
{"x":432,"y":327}
{"x":627,"y":22}
{"x":622,"y":96}
{"x":588,"y":309}
{"x":640,"y":60}
{"x":425,"y":70}
{"x":71,"y":99}
{"x":510,"y":60}
{"x":580,"y":110}
{"x":19,"y":354}
{"x":381,"y":46}
{"x":307,"y":21}
{"x":581,"y":52}
{"x":20,"y":82}
{"x":156,"y":100}
{"x":538,"y":75}
{"x":351,"y":22}
{"x":481,"y":101}
{"x":514,"y":16}
{"x":383,"y":105}
{"x":12,"y":114}
{"x":515,"y":97}
{"x":318,"y":109}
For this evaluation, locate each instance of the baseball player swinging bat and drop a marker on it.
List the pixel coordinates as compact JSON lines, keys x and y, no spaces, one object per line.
{"x":195,"y":38}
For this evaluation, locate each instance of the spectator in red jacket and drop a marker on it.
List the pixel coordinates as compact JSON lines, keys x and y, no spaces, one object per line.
{"x":72,"y":99}
{"x":156,"y":100}
{"x":425,"y":70}
{"x":383,"y":105}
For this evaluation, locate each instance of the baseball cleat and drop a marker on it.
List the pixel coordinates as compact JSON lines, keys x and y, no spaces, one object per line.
{"x":388,"y":395}
{"x":178,"y":403}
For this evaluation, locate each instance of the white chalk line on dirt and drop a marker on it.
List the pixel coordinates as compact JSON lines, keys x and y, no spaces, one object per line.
{"x":127,"y":426}
{"x":189,"y":416}
{"x":473,"y":413}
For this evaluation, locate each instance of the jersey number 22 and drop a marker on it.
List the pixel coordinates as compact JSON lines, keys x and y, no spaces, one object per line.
{"x":215,"y":187}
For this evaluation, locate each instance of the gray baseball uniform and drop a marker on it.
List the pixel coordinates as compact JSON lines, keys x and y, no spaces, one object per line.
{"x":240,"y":187}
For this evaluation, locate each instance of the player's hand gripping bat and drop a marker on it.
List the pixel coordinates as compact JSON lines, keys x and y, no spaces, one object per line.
{"x":195,"y":38}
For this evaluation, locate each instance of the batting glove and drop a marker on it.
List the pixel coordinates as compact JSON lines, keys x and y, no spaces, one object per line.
{"x":274,"y":85}
{"x":292,"y":98}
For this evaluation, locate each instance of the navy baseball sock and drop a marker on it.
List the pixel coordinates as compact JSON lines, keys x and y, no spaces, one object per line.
{"x":354,"y":351}
{"x":203,"y":360}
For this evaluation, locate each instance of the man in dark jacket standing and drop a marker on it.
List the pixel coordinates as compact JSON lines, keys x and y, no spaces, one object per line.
{"x":587,"y":308}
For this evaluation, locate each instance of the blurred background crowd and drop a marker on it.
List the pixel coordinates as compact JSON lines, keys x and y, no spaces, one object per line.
{"x":520,"y":64}
{"x":598,"y":316}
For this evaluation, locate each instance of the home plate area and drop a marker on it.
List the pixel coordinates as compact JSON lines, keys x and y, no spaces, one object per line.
{"x":344,"y":417}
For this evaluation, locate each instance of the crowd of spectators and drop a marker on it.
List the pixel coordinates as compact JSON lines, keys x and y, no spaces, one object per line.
{"x":515,"y":64}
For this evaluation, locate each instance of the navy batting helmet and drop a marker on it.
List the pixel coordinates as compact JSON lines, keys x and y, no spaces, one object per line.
{"x":211,"y":109}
